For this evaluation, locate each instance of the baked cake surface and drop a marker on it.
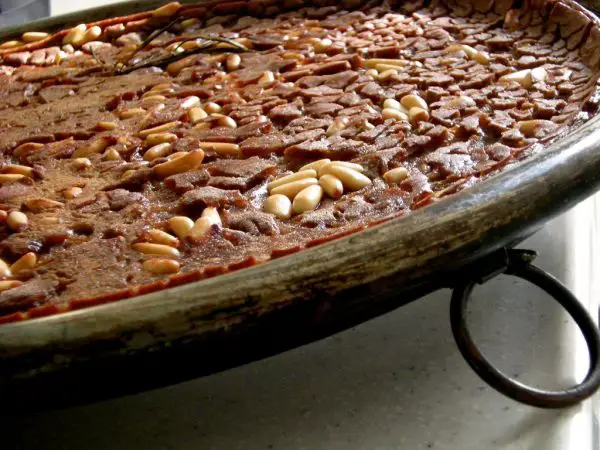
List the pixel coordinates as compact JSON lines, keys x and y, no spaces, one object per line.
{"x":158,"y":149}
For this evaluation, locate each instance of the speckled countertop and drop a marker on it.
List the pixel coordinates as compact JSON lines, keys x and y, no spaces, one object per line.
{"x":396,"y":382}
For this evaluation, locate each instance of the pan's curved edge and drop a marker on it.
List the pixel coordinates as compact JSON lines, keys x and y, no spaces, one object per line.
{"x":404,"y":254}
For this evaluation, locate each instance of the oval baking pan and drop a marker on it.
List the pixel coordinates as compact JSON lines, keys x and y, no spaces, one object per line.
{"x":210,"y":325}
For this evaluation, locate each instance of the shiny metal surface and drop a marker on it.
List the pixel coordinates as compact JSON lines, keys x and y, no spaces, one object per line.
{"x":396,"y":382}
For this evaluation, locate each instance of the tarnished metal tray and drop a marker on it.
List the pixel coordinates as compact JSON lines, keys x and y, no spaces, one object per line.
{"x":210,"y":325}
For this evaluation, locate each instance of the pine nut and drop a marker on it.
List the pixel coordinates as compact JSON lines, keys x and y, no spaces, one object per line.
{"x":146,"y":101}
{"x":332,"y":186}
{"x":167,"y":10}
{"x":196,"y":114}
{"x":529,"y":128}
{"x":158,"y":90}
{"x":127,"y":173}
{"x":227,"y":122}
{"x":160,"y":138}
{"x":384,"y":67}
{"x":158,"y":151}
{"x":92,"y":148}
{"x":190,"y":102}
{"x":185,"y":163}
{"x":160,"y":128}
{"x":200,"y":230}
{"x":180,"y":225}
{"x":72,"y":192}
{"x":210,"y":219}
{"x":481,"y":57}
{"x":523,"y":77}
{"x":293,"y":55}
{"x":222,"y":148}
{"x":392,"y":113}
{"x":27,"y":148}
{"x":322,"y":45}
{"x":387,"y":74}
{"x":278,"y":205}
{"x":9,"y":284}
{"x":112,"y":154}
{"x":161,"y":86}
{"x":338,"y":124}
{"x":410,"y":101}
{"x":307,"y":199}
{"x":202,"y":126}
{"x":351,"y":179}
{"x":25,"y":262}
{"x":316,"y":165}
{"x":34,"y":36}
{"x":10,"y":44}
{"x":177,"y":47}
{"x":81,"y":163}
{"x":233,"y":62}
{"x":245,"y":42}
{"x":103,"y":125}
{"x":11,"y":177}
{"x":189,"y":23}
{"x":300,"y":175}
{"x":161,"y":266}
{"x":42,"y":204}
{"x":175,"y":67}
{"x":4,"y":269}
{"x":75,"y":34}
{"x":371,"y":63}
{"x":347,"y":164}
{"x":176,"y":155}
{"x":126,"y":114}
{"x":395,"y":176}
{"x":467,"y":49}
{"x":373,"y":73}
{"x":291,"y":189}
{"x":149,"y":248}
{"x":392,"y":103}
{"x":17,"y":221}
{"x":266,"y":79}
{"x":160,"y":237}
{"x":212,"y":108}
{"x":462,"y":101}
{"x":538,"y":74}
{"x":213,"y":214}
{"x":90,"y":35}
{"x":416,"y":114}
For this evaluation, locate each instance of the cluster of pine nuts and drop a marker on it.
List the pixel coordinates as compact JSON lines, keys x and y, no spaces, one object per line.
{"x":383,"y":68}
{"x":303,"y":191}
{"x":470,"y":52}
{"x":186,"y":228}
{"x":162,"y":244}
{"x":80,"y":35}
{"x":411,"y":108}
{"x":26,"y":262}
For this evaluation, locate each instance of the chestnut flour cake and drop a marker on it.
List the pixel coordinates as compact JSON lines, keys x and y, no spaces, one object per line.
{"x":157,"y":149}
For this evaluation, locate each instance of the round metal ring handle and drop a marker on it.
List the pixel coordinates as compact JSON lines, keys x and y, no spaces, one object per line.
{"x":502,"y":382}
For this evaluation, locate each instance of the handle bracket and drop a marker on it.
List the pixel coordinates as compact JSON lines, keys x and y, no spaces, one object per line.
{"x":518,"y":263}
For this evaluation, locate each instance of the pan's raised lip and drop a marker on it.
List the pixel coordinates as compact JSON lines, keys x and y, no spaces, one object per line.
{"x":476,"y":220}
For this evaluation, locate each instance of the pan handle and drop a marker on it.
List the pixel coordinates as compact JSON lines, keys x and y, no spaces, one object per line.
{"x":518,"y":263}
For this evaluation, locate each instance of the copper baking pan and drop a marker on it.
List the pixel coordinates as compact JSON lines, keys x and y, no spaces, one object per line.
{"x":210,"y":325}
